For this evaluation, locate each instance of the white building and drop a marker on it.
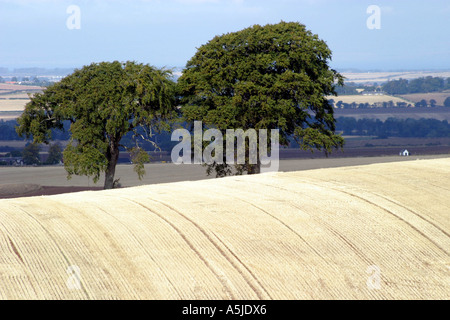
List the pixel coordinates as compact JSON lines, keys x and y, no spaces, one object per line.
{"x":404,"y":153}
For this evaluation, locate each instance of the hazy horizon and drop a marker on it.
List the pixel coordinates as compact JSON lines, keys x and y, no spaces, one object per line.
{"x":341,"y":70}
{"x":403,"y":36}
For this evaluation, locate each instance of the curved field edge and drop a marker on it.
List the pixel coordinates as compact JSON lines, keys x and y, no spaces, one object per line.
{"x":379,"y":231}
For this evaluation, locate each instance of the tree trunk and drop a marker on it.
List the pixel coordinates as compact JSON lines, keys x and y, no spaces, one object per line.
{"x":254,"y":168}
{"x":113,"y":156}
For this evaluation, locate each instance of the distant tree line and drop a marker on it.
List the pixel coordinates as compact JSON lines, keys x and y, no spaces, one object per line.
{"x":27,"y":81}
{"x":419,"y":85}
{"x":31,"y":155}
{"x":346,"y":90}
{"x":394,"y":127}
{"x":388,"y":104}
{"x":352,"y":88}
{"x":8,"y":131}
{"x":35,"y":81}
{"x":385,"y":104}
{"x":398,"y":87}
{"x":163,"y":139}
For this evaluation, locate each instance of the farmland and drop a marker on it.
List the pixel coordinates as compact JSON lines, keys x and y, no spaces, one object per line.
{"x":378,"y":231}
{"x":438,"y":113}
{"x":380,"y":77}
{"x":156,"y":173}
{"x":438,"y":96}
{"x":8,"y":105}
{"x":13,"y":99}
{"x":370,"y":99}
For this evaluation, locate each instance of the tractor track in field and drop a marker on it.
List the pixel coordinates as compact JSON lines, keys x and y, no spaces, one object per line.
{"x":191,"y":246}
{"x":258,"y":291}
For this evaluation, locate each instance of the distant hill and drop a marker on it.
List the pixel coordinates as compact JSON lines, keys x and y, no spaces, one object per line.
{"x":382,"y":77}
{"x":33,"y":71}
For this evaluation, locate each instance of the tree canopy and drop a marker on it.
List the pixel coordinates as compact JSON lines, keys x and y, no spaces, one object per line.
{"x":264,"y":77}
{"x":103,"y":102}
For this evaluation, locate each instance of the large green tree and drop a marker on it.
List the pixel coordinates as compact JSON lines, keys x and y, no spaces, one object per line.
{"x":264,"y":77}
{"x":103,"y":101}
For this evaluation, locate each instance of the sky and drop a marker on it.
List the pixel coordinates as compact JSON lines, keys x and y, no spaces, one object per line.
{"x":396,"y":35}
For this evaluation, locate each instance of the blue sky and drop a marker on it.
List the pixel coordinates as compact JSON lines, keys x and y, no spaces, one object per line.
{"x":413,"y":34}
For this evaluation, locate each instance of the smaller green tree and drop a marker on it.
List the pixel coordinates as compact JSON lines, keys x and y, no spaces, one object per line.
{"x":103,"y":102}
{"x":31,"y":154}
{"x":55,"y":154}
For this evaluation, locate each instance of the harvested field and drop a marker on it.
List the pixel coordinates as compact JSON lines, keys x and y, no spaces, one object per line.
{"x":6,"y":116}
{"x":13,"y":98}
{"x":156,"y":173}
{"x":438,"y":96}
{"x":380,"y":77}
{"x":5,"y":87}
{"x":379,"y":231}
{"x":369,"y":99}
{"x":22,"y":95}
{"x":13,"y":104}
{"x":13,"y":143}
{"x":438,"y":113}
{"x":11,"y":109}
{"x":19,"y":190}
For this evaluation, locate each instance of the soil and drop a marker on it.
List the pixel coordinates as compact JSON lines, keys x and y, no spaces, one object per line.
{"x":27,"y":190}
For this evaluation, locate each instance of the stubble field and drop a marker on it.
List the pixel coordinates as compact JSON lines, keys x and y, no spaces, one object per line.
{"x":13,"y":98}
{"x":439,"y":97}
{"x":380,"y":77}
{"x":367,"y":99}
{"x":378,"y":231}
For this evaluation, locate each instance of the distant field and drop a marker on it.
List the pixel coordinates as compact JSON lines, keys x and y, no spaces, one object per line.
{"x":13,"y":143}
{"x":439,"y":113}
{"x":6,"y":116}
{"x":169,"y":172}
{"x":12,"y":109}
{"x":380,"y":77}
{"x":4,"y":87}
{"x":13,"y":99}
{"x":369,"y":99}
{"x":13,"y":105}
{"x":438,"y":96}
{"x":15,"y":95}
